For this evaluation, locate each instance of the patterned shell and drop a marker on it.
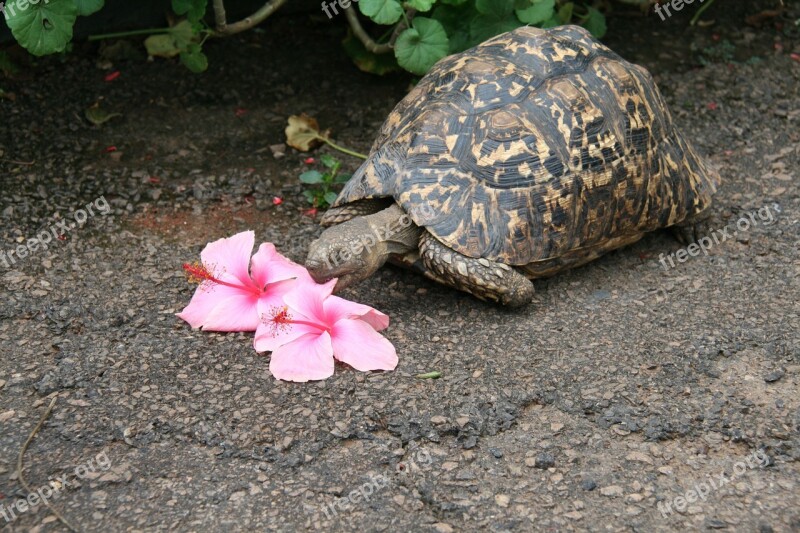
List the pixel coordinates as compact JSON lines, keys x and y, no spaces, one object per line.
{"x":531,"y":145}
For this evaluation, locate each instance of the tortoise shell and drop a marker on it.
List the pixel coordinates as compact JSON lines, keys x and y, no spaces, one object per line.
{"x":534,"y":144}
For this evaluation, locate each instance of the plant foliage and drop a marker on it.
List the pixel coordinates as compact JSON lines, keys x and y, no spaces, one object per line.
{"x":321,"y":194}
{"x":438,"y":28}
{"x":419,"y":33}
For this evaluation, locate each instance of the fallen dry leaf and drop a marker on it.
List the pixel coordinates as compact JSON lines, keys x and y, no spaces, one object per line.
{"x":303,"y":133}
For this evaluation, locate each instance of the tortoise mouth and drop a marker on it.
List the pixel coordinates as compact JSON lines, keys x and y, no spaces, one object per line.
{"x":322,"y":274}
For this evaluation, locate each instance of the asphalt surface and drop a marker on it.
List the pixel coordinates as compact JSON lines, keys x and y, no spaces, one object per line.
{"x":629,"y":396}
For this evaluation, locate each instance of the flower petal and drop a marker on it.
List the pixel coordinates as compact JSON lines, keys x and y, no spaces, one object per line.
{"x":221,"y":308}
{"x":273,"y":295}
{"x":306,"y":358}
{"x":307,"y":299}
{"x":269,"y":335}
{"x":338,"y":308}
{"x":360,"y":346}
{"x":230,"y":257}
{"x":269,"y":266}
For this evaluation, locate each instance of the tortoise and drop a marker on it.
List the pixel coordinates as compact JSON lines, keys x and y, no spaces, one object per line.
{"x":531,"y":153}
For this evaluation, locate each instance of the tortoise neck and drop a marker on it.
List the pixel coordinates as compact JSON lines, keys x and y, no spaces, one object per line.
{"x":394,"y":231}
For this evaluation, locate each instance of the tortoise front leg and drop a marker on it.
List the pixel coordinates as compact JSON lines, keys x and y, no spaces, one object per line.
{"x":484,"y":279}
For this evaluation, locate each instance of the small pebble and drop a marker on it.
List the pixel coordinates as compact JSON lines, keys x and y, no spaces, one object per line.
{"x":545,"y":460}
{"x":774,"y":376}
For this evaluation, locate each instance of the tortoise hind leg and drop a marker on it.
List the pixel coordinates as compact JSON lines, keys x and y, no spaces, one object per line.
{"x":482,"y":278}
{"x":369,"y":206}
{"x":694,"y":228}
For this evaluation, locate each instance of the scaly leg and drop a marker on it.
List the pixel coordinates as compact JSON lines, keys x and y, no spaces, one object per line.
{"x":482,"y":278}
{"x":691,"y":230}
{"x":337,"y":215}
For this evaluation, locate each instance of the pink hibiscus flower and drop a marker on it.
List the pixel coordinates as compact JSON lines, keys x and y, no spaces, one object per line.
{"x":232,"y":297}
{"x":313,"y":328}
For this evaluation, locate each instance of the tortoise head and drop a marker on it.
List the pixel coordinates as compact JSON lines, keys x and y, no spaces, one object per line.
{"x":349,"y":251}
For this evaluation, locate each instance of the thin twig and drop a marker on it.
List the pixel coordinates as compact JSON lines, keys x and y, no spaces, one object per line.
{"x":26,"y":163}
{"x":20,"y":464}
{"x":700,"y":11}
{"x":402,"y":25}
{"x":361,"y":34}
{"x":223,"y":28}
{"x":219,"y":15}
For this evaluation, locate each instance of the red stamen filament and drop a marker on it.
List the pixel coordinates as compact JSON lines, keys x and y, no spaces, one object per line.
{"x":198,"y":273}
{"x":281,"y":319}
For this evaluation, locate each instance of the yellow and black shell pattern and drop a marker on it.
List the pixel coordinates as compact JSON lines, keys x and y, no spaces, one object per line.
{"x":534,"y":144}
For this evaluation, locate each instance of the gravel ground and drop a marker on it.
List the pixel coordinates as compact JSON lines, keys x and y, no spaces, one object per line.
{"x":622,"y":389}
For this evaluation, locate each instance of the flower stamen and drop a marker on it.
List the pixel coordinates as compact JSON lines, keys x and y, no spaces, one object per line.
{"x":203,"y":275}
{"x":280,"y":320}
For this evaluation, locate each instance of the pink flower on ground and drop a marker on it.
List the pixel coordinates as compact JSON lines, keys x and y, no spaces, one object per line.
{"x":232,"y":297}
{"x":313,"y":328}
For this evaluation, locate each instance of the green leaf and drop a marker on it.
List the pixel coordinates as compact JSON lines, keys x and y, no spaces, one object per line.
{"x":99,"y":116}
{"x":496,"y":8}
{"x":183,"y":32}
{"x":485,"y":27}
{"x":382,"y":11}
{"x":496,"y":17}
{"x":310,"y":196}
{"x":193,"y":9}
{"x":43,"y":28}
{"x":161,"y":45}
{"x":311,"y":177}
{"x":421,"y":5}
{"x":195,"y":60}
{"x":454,"y":2}
{"x":330,"y":197}
{"x":551,"y":23}
{"x":178,"y":40}
{"x":452,"y":18}
{"x":328,"y":160}
{"x":429,"y":375}
{"x":422,"y":45}
{"x":595,"y":22}
{"x":87,"y":7}
{"x":565,"y":13}
{"x":342,"y":178}
{"x":540,"y":11}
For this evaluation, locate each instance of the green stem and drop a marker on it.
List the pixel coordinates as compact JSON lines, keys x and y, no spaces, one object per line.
{"x":700,"y":11}
{"x":127,"y":34}
{"x":385,"y":36}
{"x":342,"y":149}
